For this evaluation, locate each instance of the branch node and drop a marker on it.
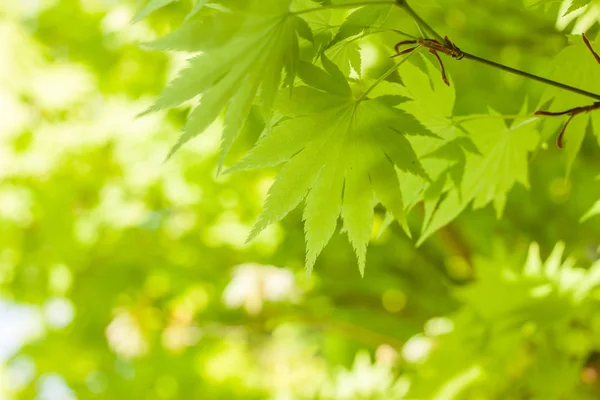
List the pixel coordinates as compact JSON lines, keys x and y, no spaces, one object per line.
{"x":434,"y":47}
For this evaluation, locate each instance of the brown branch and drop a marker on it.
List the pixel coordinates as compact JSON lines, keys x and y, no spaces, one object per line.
{"x":573,"y":112}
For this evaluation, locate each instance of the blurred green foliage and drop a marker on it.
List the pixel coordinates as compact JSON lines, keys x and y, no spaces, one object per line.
{"x":123,"y":276}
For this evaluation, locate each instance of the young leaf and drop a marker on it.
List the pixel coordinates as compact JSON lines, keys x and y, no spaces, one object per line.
{"x":319,"y":21}
{"x":357,"y":209}
{"x":443,"y":156}
{"x":344,"y":49}
{"x":489,"y":178}
{"x":361,"y":20}
{"x":346,"y":54}
{"x":481,"y":166}
{"x":431,"y":101}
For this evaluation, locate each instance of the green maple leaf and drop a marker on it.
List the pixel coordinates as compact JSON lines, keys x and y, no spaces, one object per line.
{"x":432,"y":103}
{"x":346,"y":54}
{"x":490,"y":176}
{"x":431,"y":106}
{"x":340,"y":153}
{"x":574,"y":66}
{"x":576,"y":5}
{"x":241,"y":61}
{"x":320,"y":21}
{"x":362,"y":20}
{"x":204,"y":33}
{"x":444,"y":156}
{"x":344,"y":48}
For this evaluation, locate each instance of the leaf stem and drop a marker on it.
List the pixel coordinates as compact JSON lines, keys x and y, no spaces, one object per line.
{"x":379,"y":30}
{"x":399,"y":32}
{"x":345,"y":5}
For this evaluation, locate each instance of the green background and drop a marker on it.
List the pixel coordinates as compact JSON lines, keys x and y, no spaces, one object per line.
{"x":122,"y":276}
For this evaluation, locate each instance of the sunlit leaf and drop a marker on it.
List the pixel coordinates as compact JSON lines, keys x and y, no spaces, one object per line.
{"x":336,"y":156}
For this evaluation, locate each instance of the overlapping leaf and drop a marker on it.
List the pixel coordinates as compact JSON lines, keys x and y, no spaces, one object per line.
{"x":246,"y":54}
{"x":321,"y":21}
{"x":551,"y":295}
{"x":489,"y":177}
{"x":361,"y":20}
{"x":344,"y":49}
{"x":340,"y":153}
{"x":481,"y":167}
{"x":444,"y":156}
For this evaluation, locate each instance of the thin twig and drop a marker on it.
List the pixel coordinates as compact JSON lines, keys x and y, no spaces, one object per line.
{"x":532,"y":76}
{"x":572,"y":112}
{"x":403,"y":4}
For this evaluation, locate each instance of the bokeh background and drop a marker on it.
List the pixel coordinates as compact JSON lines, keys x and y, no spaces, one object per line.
{"x":122,"y":276}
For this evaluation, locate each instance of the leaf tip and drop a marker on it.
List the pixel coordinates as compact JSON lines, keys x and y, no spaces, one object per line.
{"x":173,"y":150}
{"x":361,"y":268}
{"x":310,"y":260}
{"x":147,"y":111}
{"x":406,"y":228}
{"x":424,"y":236}
{"x":308,"y":269}
{"x":256,"y":229}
